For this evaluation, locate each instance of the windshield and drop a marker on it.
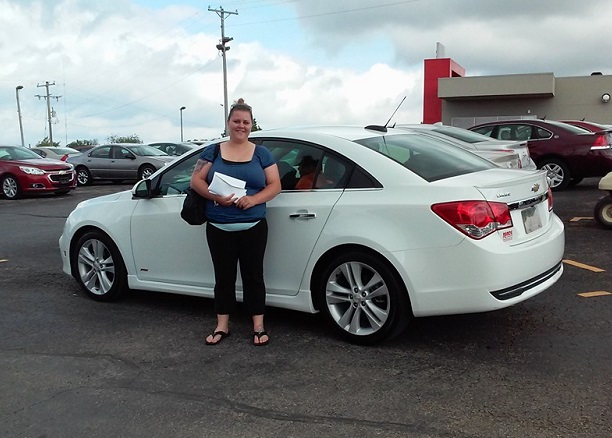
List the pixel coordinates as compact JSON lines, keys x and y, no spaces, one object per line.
{"x":147,"y":151}
{"x":9,"y":153}
{"x":462,"y":134}
{"x":428,"y":157}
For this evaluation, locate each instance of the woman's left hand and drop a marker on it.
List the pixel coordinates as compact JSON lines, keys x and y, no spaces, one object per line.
{"x":245,"y":202}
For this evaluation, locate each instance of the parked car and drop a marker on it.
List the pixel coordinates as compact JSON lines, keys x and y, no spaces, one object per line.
{"x":592,"y":127}
{"x":118,"y":162}
{"x":508,"y":158}
{"x":568,"y":153}
{"x":174,"y":149}
{"x":400,"y":226}
{"x":25,"y":172}
{"x":478,"y":141}
{"x":57,"y":153}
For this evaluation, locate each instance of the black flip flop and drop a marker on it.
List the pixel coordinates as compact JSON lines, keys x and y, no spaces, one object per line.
{"x":218,"y":333}
{"x":258,"y":335}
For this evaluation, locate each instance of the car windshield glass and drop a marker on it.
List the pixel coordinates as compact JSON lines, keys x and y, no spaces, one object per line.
{"x":147,"y":151}
{"x":462,"y":134}
{"x":17,"y":153}
{"x":428,"y":157}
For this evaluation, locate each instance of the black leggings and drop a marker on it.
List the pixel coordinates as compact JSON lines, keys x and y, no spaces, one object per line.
{"x":227,"y":249}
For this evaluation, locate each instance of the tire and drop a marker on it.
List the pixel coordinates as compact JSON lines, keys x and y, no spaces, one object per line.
{"x":145,"y":171}
{"x":10,"y":187}
{"x":558,"y":173}
{"x":362,"y":298}
{"x":83,"y":176}
{"x":98,"y":267}
{"x":603,"y":211}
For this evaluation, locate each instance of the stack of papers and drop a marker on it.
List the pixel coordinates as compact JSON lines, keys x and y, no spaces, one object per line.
{"x":225,"y":185}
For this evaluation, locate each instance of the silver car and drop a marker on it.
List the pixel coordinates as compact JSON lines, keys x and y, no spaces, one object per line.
{"x":479,"y":141}
{"x":57,"y":153}
{"x":118,"y":162}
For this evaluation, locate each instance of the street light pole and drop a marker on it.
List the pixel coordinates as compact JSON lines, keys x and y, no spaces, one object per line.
{"x":17,"y":88}
{"x":181,"y":112}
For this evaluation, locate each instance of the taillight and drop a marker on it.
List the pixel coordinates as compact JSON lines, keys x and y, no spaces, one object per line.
{"x":64,"y":158}
{"x":476,"y":219}
{"x":601,"y":142}
{"x":550,"y":200}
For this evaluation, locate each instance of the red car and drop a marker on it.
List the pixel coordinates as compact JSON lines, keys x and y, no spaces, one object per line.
{"x":23,"y":171}
{"x":569,"y":153}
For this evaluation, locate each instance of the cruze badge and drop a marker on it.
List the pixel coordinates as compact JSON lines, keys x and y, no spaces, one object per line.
{"x":535,"y":187}
{"x":503,"y":195}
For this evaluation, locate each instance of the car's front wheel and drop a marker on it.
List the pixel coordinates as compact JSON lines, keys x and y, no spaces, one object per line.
{"x":362,"y":298}
{"x":10,"y":187}
{"x":558,"y":173}
{"x":83,"y":176}
{"x":100,"y":270}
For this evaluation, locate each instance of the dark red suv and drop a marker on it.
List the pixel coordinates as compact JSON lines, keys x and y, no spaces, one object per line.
{"x":569,"y":153}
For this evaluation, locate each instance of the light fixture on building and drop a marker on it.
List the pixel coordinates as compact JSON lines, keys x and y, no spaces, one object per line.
{"x":605,"y":98}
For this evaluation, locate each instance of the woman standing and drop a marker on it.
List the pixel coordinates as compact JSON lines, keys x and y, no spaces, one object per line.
{"x":237,"y":231}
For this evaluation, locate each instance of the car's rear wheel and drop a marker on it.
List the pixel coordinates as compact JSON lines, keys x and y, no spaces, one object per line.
{"x":10,"y":187}
{"x":558,"y":173}
{"x":145,"y":171}
{"x":100,"y":270}
{"x":362,"y":298}
{"x":603,"y":211}
{"x":83,"y":176}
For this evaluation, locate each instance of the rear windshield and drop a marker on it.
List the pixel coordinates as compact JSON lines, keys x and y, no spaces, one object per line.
{"x":428,"y":157}
{"x":147,"y":151}
{"x":462,"y":134}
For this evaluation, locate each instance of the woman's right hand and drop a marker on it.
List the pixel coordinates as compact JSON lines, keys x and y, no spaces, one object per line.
{"x":225,"y":201}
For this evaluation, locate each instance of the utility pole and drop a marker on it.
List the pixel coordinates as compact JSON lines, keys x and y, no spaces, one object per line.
{"x":223,"y":48}
{"x":48,"y":98}
{"x":17,"y":88}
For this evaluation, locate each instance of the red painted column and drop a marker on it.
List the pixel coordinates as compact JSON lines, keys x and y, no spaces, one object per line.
{"x":435,"y":69}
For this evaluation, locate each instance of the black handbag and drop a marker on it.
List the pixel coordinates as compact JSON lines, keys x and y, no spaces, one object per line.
{"x":194,"y":205}
{"x":194,"y":208}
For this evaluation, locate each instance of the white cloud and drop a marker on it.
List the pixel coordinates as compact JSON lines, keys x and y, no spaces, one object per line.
{"x":126,"y":68}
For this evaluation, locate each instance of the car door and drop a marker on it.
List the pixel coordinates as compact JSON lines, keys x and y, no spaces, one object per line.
{"x":165,"y":248}
{"x":296,"y":218}
{"x":123,"y":164}
{"x":98,"y":162}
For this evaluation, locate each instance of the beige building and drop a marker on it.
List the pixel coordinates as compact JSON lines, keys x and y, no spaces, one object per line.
{"x":467,"y":101}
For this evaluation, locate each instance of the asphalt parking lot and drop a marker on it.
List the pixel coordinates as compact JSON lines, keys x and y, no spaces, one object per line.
{"x":73,"y":367}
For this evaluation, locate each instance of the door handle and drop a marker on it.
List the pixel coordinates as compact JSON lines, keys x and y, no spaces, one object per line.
{"x":302,"y":216}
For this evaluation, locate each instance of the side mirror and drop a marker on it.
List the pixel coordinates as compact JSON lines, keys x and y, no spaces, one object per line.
{"x":130,"y":156}
{"x":142,"y":189}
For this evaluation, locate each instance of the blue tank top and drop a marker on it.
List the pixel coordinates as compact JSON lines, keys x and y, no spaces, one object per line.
{"x":250,"y":171}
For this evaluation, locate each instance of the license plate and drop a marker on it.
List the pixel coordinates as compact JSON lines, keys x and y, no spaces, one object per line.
{"x":531,"y":220}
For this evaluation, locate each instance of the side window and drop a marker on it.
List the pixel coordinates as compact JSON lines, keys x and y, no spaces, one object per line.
{"x":177,"y":179}
{"x":299,"y":164}
{"x":523,"y":132}
{"x":334,"y":173}
{"x":543,"y":133}
{"x":122,"y":153}
{"x":102,"y":152}
{"x":485,"y":130}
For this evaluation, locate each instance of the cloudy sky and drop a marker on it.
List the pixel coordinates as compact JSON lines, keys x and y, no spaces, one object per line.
{"x":125,"y":67}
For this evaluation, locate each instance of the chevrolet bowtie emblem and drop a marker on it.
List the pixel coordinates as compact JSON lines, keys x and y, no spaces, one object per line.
{"x":535,"y":187}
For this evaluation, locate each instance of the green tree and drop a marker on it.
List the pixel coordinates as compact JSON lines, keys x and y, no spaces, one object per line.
{"x":121,"y":139}
{"x":46,"y":142}
{"x":74,"y":143}
{"x":255,"y":127}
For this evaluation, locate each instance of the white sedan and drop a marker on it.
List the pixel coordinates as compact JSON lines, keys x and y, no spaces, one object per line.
{"x":396,"y":225}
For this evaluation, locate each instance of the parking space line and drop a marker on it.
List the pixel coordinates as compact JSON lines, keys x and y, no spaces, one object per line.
{"x":580,"y":218}
{"x":597,"y":293}
{"x":583,"y":266}
{"x":3,"y":260}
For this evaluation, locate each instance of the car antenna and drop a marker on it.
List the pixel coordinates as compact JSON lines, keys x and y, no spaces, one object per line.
{"x":384,"y":127}
{"x":398,"y":107}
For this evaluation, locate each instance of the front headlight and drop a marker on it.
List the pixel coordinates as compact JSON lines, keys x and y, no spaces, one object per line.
{"x":31,"y":170}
